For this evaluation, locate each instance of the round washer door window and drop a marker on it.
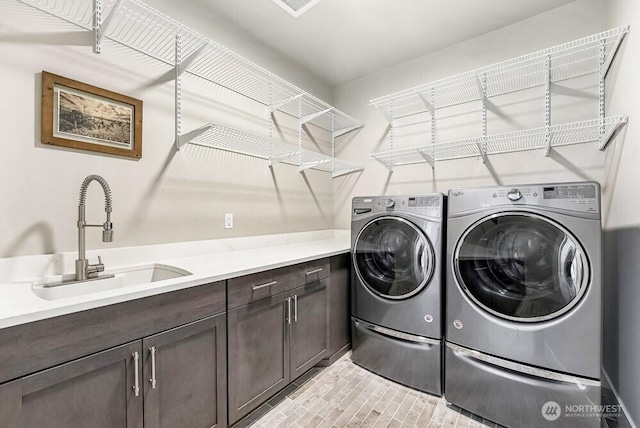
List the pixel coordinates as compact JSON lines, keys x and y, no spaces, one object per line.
{"x":521,"y":267}
{"x":393,"y":258}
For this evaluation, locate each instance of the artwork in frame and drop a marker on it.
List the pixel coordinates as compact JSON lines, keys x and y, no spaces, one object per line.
{"x":81,"y":116}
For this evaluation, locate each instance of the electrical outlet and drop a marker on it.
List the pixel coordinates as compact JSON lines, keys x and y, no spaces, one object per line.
{"x":228,"y":221}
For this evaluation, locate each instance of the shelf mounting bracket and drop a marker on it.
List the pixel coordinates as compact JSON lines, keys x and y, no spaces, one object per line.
{"x":186,"y":63}
{"x":386,"y":115}
{"x":606,"y":137}
{"x":310,"y":117}
{"x":101,"y":26}
{"x":427,"y":157}
{"x":427,"y":103}
{"x":340,"y":132}
{"x":384,"y":163}
{"x":282,"y":157}
{"x":614,"y":49}
{"x":482,"y":149}
{"x":279,"y":104}
{"x":337,"y":174}
{"x":312,"y":164}
{"x":192,"y":135}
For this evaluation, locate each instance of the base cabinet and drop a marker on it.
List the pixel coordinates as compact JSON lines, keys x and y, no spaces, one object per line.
{"x":97,"y":391}
{"x":272,"y":342}
{"x":309,"y":326}
{"x":258,"y":353}
{"x":185,"y":384}
{"x":173,"y":379}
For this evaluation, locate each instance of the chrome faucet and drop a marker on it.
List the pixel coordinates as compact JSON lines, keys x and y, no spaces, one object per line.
{"x":84,"y":270}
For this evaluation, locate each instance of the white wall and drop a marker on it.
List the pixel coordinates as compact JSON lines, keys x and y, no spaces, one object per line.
{"x":165,"y":196}
{"x":622,"y":220}
{"x":512,"y":112}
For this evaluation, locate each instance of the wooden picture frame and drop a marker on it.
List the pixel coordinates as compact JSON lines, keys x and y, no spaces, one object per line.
{"x":81,"y":116}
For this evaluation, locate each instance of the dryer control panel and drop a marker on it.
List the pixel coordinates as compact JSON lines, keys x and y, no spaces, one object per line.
{"x":580,"y":197}
{"x":425,"y":205}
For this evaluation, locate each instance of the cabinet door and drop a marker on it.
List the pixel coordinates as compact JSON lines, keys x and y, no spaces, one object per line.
{"x":309,"y":326}
{"x":339,"y":312}
{"x":258,"y":353}
{"x":96,"y":391}
{"x":185,"y":376}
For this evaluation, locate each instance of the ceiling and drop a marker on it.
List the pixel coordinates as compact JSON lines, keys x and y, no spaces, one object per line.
{"x":342,"y":40}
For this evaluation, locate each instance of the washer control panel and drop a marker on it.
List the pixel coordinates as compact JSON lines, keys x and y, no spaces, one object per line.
{"x":431,"y":205}
{"x":580,"y":197}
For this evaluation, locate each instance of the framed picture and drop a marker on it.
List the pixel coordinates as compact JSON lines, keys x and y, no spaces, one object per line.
{"x":82,"y":116}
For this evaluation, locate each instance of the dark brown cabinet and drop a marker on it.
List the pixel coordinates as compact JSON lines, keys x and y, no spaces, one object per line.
{"x":185,"y":383}
{"x":339,"y":308}
{"x":114,"y":353}
{"x":309,"y":326}
{"x":272,"y":342}
{"x":99,"y":391}
{"x":174,"y":379}
{"x":258,"y":353}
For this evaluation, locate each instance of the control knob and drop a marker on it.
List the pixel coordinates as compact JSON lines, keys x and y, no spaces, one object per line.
{"x":390,"y":203}
{"x":514,"y":195}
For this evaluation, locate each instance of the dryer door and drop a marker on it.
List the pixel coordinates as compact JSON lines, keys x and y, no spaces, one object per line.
{"x":393,"y":258}
{"x":521,"y":266}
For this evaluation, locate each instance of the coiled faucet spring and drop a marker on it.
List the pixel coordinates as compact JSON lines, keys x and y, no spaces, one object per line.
{"x":83,"y":269}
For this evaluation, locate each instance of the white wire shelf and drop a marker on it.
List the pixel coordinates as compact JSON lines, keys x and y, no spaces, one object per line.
{"x":138,"y":26}
{"x":569,"y":60}
{"x":542,"y":139}
{"x":224,"y":138}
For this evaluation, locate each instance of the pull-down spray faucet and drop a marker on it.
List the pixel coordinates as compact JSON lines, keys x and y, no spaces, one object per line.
{"x":84,"y":270}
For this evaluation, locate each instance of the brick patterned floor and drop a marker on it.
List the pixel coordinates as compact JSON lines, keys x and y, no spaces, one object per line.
{"x":346,"y":395}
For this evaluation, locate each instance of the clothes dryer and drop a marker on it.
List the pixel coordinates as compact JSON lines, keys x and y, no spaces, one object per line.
{"x":523,"y":307}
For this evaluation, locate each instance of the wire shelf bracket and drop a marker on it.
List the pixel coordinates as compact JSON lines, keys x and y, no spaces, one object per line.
{"x":101,"y":26}
{"x":279,"y":104}
{"x":344,"y":131}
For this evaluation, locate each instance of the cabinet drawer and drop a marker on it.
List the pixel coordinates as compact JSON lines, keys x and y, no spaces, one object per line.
{"x":308,"y":272}
{"x":257,"y":286}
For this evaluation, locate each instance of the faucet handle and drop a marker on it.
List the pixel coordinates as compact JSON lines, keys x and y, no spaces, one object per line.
{"x":93,"y":270}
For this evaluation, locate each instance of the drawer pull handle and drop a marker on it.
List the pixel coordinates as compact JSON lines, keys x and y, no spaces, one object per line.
{"x":268,"y":284}
{"x":136,"y":374}
{"x":311,"y":272}
{"x":153,"y":379}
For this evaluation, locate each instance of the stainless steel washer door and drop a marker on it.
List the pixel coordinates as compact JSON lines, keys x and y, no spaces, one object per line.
{"x":393,"y":258}
{"x":521,"y":266}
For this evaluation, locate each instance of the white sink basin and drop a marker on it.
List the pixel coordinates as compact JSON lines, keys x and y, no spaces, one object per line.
{"x":124,"y":278}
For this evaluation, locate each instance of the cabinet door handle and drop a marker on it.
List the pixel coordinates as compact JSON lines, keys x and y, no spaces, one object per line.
{"x":136,"y":374}
{"x":311,"y":272}
{"x":295,"y":308}
{"x":289,"y":310}
{"x":268,"y":284}
{"x":153,"y":379}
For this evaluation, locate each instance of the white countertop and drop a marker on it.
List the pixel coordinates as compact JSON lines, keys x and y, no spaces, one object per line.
{"x":208,"y":261}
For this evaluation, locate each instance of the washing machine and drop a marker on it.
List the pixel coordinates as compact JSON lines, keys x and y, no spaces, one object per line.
{"x":523,"y":308}
{"x":397,"y":246}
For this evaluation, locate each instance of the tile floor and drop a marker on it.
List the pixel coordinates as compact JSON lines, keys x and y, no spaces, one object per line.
{"x":346,"y":395}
